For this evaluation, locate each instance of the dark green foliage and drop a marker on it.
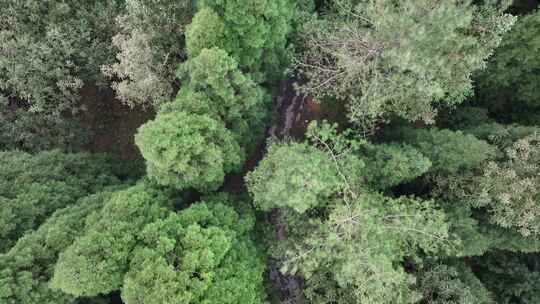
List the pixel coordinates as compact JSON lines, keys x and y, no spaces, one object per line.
{"x":32,"y":187}
{"x":52,"y":48}
{"x":98,"y":259}
{"x":512,"y":75}
{"x":200,"y":255}
{"x":511,"y":277}
{"x":188,"y":150}
{"x":24,"y":130}
{"x":25,"y":270}
{"x":442,"y":284}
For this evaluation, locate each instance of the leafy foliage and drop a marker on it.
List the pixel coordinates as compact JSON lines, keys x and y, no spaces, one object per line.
{"x":442,"y":284}
{"x":282,"y":178}
{"x":450,"y":151}
{"x":25,"y":270}
{"x":387,"y":57}
{"x":52,"y":48}
{"x":151,"y":45}
{"x":200,"y":255}
{"x":510,"y":190}
{"x":254,"y":33}
{"x":512,"y":72}
{"x":32,"y":187}
{"x":21,"y":129}
{"x":353,"y":255}
{"x":98,"y":259}
{"x":215,"y":86}
{"x":188,"y":150}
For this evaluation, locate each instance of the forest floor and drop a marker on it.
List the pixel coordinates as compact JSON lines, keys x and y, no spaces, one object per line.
{"x":112,"y":124}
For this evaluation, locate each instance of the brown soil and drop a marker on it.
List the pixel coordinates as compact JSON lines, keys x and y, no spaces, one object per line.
{"x":112,"y":124}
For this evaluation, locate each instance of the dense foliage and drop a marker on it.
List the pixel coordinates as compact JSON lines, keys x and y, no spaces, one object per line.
{"x":309,"y":151}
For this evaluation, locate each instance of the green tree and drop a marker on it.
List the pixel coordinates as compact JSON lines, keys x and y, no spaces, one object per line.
{"x":511,"y":76}
{"x":389,"y":165}
{"x":510,"y":190}
{"x":353,"y":254}
{"x":215,"y":86}
{"x":511,"y":277}
{"x":199,"y":255}
{"x":442,"y":284}
{"x":25,"y":270}
{"x":188,"y":150}
{"x":50,"y":49}
{"x":151,"y":44}
{"x":32,"y":187}
{"x":98,"y":260}
{"x":450,"y":151}
{"x":402,"y":58}
{"x":254,"y":33}
{"x":28,"y":131}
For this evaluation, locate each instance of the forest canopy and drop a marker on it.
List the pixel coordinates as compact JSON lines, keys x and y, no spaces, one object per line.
{"x":269,"y":151}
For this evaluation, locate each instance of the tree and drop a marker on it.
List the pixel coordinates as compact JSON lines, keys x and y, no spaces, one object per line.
{"x":389,"y":165}
{"x":511,"y":74}
{"x":28,"y":131}
{"x":345,"y":239}
{"x":353,"y":254}
{"x":199,"y":255}
{"x":511,"y":277}
{"x":293,"y":175}
{"x":509,"y":190}
{"x":32,"y":187}
{"x":253,"y":33}
{"x":25,"y":270}
{"x":442,"y":284}
{"x":188,"y":150}
{"x":215,"y":86}
{"x":98,"y":259}
{"x":151,"y":44}
{"x":401,"y":58}
{"x":450,"y":151}
{"x":51,"y":49}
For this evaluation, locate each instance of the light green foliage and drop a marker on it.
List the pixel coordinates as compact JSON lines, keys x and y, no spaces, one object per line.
{"x":511,"y":277}
{"x":293,"y":175}
{"x":207,"y":30}
{"x":200,"y":255}
{"x":442,"y":284}
{"x":512,"y":72}
{"x":450,"y":151}
{"x":353,"y":255}
{"x":151,"y":45}
{"x":254,"y":33}
{"x":188,"y":150}
{"x":98,"y":259}
{"x":32,"y":187}
{"x":388,"y":165}
{"x":25,"y":270}
{"x":402,"y":58}
{"x":215,"y":86}
{"x":51,"y":48}
{"x":510,"y":190}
